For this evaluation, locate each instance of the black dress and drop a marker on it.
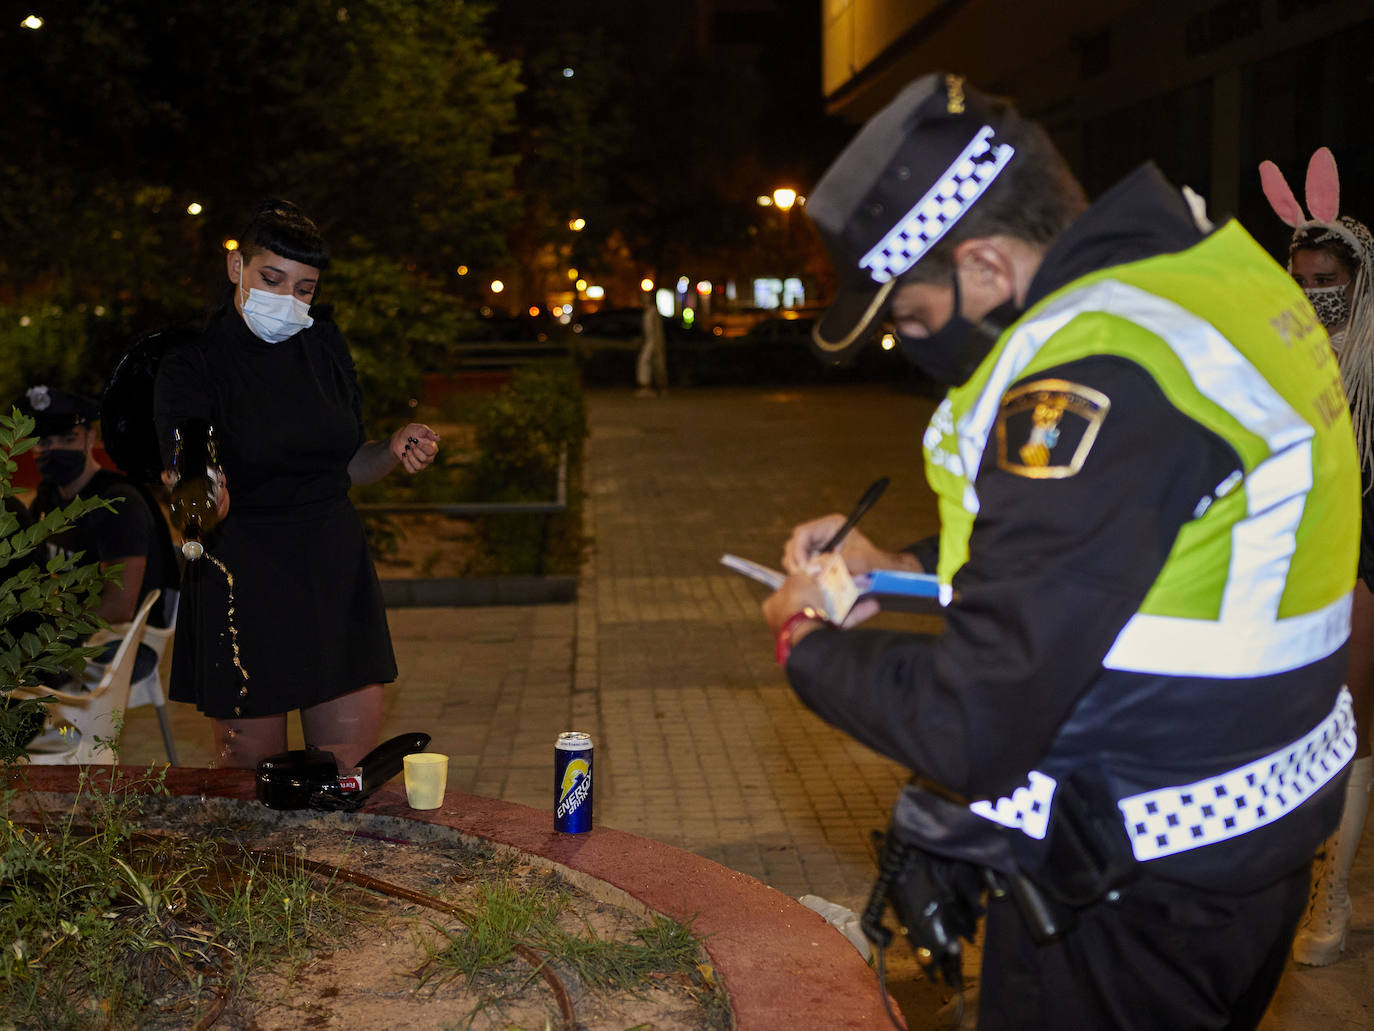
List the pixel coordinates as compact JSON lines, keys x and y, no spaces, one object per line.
{"x":307,"y":612}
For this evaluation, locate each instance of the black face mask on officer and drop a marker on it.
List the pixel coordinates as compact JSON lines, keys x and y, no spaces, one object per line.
{"x":949,"y":354}
{"x":60,"y":465}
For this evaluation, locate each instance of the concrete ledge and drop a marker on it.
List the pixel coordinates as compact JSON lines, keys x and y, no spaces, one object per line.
{"x":478,"y":590}
{"x":784,"y":967}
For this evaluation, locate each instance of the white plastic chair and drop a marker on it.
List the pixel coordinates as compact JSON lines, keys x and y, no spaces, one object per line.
{"x":76,"y":719}
{"x":149,"y":689}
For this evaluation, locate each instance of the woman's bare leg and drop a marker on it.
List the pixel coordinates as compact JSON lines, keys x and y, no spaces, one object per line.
{"x":348,"y":725}
{"x":239,"y":744}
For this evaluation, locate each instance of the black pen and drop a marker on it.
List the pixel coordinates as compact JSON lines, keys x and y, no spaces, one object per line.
{"x":874,"y":492}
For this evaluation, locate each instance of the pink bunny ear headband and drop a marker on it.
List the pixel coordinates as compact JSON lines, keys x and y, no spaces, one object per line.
{"x":1356,"y":339}
{"x":1323,"y":190}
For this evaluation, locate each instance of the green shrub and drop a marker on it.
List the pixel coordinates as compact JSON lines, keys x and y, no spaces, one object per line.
{"x":523,"y":432}
{"x":45,"y":606}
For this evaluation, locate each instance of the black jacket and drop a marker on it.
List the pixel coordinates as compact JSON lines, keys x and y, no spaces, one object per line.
{"x":1056,"y":568}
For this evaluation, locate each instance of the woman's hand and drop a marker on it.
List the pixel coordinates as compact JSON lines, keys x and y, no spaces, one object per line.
{"x":222,"y":496}
{"x":414,"y":446}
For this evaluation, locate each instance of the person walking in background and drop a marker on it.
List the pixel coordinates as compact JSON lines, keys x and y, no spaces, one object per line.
{"x":295,"y":620}
{"x":651,"y":369}
{"x":1134,"y":719}
{"x":1331,"y":256}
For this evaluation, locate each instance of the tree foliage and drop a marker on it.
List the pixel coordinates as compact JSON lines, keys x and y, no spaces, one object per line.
{"x":381,"y":119}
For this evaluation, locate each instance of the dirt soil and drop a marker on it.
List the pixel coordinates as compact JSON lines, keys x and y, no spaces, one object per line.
{"x":377,"y":973}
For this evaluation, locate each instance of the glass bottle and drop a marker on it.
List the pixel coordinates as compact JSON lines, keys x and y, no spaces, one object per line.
{"x":196,"y":484}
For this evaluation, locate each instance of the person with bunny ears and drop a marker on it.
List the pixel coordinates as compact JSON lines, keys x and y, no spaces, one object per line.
{"x":1331,"y":256}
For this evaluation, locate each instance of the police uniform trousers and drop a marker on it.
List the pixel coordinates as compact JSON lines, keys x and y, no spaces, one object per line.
{"x":1161,"y":957}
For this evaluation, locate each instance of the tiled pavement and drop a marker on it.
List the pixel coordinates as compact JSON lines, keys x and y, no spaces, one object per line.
{"x":664,"y":657}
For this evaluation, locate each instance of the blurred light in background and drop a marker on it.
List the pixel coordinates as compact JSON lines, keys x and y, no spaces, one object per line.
{"x":497,"y":286}
{"x":646,"y":284}
{"x":32,"y":22}
{"x":888,"y":342}
{"x":231,"y":244}
{"x":596,"y":292}
{"x":194,"y":208}
{"x":665,"y":302}
{"x":784,"y":198}
{"x":581,"y":284}
{"x":462,"y":270}
{"x":704,"y":287}
{"x":577,"y":224}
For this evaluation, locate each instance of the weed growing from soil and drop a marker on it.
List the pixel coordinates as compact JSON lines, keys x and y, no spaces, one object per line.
{"x":99,"y":919}
{"x":543,"y":917}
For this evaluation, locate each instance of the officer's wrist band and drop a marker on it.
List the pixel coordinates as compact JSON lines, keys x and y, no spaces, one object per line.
{"x":783,"y":643}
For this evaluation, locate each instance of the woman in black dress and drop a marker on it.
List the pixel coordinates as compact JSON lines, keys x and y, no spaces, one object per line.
{"x":285,"y":611}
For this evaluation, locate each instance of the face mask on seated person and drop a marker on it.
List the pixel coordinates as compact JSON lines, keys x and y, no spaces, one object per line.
{"x":274,"y":317}
{"x":60,"y":466}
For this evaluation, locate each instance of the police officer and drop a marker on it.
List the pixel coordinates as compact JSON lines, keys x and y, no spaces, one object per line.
{"x":131,"y":534}
{"x":1149,"y":509}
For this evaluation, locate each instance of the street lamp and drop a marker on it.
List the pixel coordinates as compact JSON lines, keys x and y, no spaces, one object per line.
{"x":784,"y":198}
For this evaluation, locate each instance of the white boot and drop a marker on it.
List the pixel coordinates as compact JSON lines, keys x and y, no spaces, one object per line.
{"x":1321,"y":935}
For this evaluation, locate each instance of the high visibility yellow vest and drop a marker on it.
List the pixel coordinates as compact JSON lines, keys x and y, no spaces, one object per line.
{"x":1259,"y":581}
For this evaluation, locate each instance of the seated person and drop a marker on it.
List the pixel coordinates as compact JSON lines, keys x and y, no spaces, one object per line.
{"x":134,"y":535}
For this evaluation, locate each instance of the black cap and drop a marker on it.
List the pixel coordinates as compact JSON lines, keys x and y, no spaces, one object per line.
{"x":55,"y":410}
{"x":912,"y":171}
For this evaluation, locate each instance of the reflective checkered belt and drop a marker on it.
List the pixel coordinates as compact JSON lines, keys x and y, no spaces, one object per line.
{"x":1165,"y":821}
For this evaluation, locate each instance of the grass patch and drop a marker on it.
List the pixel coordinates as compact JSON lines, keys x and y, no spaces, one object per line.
{"x":99,"y":921}
{"x":543,"y":916}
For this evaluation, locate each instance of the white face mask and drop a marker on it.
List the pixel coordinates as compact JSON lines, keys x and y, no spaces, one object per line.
{"x":273,"y":317}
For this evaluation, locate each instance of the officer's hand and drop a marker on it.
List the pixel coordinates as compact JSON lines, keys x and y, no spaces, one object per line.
{"x":796,"y":593}
{"x":859,"y":553}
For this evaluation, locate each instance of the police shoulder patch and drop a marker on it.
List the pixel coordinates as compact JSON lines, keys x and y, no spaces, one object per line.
{"x":1046,"y":428}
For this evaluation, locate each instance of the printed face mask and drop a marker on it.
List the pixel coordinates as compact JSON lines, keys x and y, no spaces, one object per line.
{"x":273,"y":317}
{"x":1330,"y":304}
{"x":60,"y":466}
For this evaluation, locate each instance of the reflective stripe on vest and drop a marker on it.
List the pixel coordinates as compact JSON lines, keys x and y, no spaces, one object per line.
{"x":1166,"y":821}
{"x":1247,"y":638}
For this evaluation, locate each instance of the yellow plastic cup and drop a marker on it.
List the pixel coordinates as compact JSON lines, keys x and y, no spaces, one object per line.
{"x":426,"y":776}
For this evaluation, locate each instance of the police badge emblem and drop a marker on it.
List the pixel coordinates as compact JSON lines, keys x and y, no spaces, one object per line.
{"x":39,"y":398}
{"x":1046,"y":428}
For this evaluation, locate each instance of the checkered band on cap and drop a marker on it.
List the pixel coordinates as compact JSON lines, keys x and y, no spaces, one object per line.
{"x":1026,"y":810}
{"x":970,"y":174}
{"x":1170,"y":820}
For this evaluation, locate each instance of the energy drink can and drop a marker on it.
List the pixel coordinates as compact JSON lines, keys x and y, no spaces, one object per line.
{"x":572,"y":782}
